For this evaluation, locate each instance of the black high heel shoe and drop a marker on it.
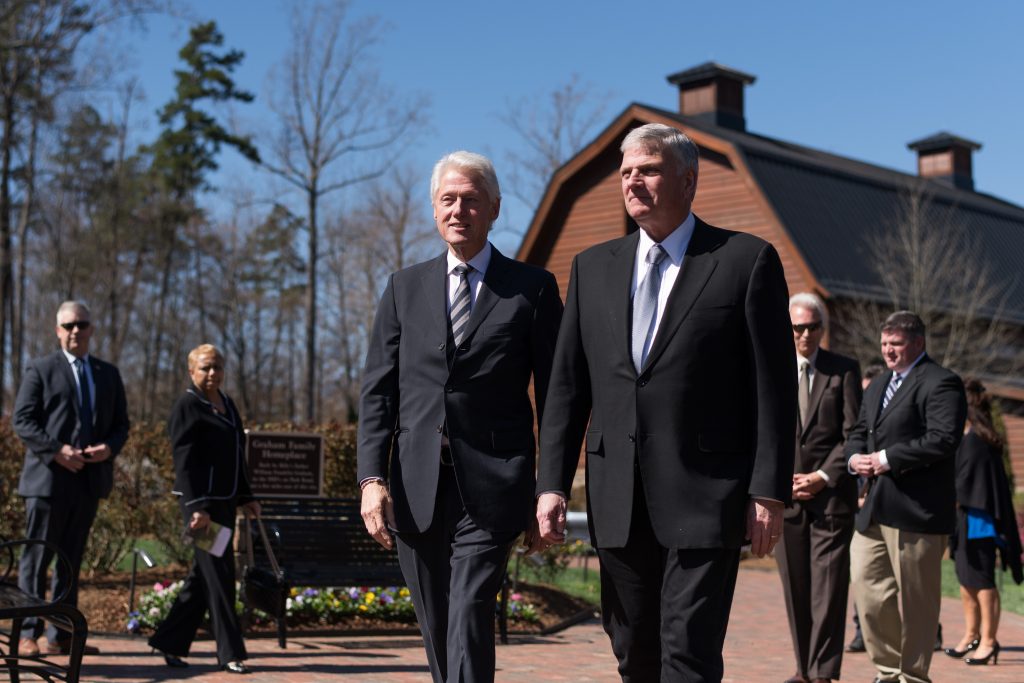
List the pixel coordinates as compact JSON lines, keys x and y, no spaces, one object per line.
{"x":981,"y":661}
{"x":237,"y":667}
{"x":957,"y":654}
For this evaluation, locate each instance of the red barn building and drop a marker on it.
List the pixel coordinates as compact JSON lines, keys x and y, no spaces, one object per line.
{"x":820,"y":211}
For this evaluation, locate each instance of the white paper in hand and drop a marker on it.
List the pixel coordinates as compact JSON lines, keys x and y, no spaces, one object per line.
{"x":213,"y":539}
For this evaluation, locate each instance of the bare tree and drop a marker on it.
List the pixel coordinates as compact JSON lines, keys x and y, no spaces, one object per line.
{"x":388,"y":231}
{"x":927,"y":261}
{"x":552,"y":128}
{"x":339,"y":125}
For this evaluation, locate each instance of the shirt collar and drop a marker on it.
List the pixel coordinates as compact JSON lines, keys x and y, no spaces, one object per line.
{"x":72,"y":357}
{"x":676,"y":242}
{"x":810,"y":361}
{"x":478,"y":262}
{"x":903,"y":372}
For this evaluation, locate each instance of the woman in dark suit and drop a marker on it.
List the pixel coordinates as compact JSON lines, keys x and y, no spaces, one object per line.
{"x":210,"y":480}
{"x":986,"y":521}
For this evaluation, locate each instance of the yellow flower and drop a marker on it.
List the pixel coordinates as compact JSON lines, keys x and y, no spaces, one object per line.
{"x":362,"y":608}
{"x":404,"y":592}
{"x":370,"y":597}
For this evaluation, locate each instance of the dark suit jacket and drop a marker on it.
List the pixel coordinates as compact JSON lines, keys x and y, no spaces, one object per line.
{"x":709,"y":419}
{"x":415,"y":381}
{"x":832,"y":413}
{"x":46,"y":418}
{"x":209,"y":454}
{"x":920,"y":430}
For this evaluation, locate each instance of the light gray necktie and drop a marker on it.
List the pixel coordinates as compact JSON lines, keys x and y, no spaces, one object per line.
{"x":645,"y":306}
{"x":461,"y":305}
{"x":804,"y":393}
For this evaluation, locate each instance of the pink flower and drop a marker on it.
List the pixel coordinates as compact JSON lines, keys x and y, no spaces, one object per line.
{"x":516,"y":596}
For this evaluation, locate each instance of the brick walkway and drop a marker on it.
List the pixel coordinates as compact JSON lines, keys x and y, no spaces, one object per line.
{"x":757,"y":650}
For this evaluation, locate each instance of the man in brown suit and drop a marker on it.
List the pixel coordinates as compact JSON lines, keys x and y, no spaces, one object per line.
{"x":813,"y":556}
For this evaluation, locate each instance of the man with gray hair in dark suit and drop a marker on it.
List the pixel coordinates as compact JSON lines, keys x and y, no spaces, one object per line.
{"x":72,"y":415}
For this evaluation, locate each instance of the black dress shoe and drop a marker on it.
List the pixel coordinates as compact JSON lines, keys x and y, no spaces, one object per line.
{"x":174,"y":661}
{"x":856,"y":645}
{"x":237,"y":668}
{"x":957,"y":654}
{"x":981,"y":661}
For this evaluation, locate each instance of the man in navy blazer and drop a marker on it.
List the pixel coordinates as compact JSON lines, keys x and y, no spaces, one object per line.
{"x":72,"y":415}
{"x":905,"y":440}
{"x":446,"y":451}
{"x":675,"y":359}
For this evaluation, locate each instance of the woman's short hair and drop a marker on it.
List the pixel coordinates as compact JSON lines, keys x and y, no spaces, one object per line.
{"x":203,"y":350}
{"x":470,"y":164}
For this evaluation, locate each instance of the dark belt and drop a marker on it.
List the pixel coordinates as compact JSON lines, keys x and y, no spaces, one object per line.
{"x":446,"y":456}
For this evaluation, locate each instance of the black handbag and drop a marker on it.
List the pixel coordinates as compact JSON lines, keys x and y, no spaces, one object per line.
{"x":263,"y":589}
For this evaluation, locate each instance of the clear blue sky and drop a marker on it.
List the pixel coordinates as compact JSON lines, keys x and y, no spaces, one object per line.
{"x":859,"y":79}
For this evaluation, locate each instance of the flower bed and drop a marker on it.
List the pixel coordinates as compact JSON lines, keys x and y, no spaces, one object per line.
{"x":306,"y":606}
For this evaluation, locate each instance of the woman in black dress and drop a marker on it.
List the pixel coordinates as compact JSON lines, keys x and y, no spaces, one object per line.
{"x":210,"y":480}
{"x":986,"y":522}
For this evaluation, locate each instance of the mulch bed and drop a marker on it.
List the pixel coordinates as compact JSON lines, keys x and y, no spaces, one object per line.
{"x":104,"y":601}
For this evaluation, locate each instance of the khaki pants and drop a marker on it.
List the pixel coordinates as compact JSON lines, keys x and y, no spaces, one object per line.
{"x":897,"y":583}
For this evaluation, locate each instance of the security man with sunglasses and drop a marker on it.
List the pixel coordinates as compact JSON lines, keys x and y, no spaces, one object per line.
{"x":72,"y":415}
{"x":814,"y":554}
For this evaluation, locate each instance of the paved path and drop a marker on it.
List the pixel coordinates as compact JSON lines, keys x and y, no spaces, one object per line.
{"x":757,"y":650}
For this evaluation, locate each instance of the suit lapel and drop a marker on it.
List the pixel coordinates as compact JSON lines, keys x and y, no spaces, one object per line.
{"x":697,"y":266}
{"x":99,"y":382}
{"x":622,"y":261}
{"x":435,"y":289}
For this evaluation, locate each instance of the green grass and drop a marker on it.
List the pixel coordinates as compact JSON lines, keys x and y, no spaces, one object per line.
{"x":573,"y":580}
{"x":1010,"y":594}
{"x":156,"y":551}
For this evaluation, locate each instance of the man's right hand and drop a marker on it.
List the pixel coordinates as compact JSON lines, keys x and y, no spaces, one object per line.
{"x":70,"y":458}
{"x":551,"y":517}
{"x":378,"y":513}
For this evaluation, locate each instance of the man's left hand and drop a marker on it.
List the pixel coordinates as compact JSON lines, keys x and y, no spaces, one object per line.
{"x":764,"y":525}
{"x":97,"y":453}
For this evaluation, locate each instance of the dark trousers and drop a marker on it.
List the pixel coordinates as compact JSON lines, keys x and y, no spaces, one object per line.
{"x":665,"y":609}
{"x":209,"y":586}
{"x":454,"y":572}
{"x":65,"y":521}
{"x":814,"y":564}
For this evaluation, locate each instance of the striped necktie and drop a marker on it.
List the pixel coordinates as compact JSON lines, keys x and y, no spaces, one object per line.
{"x":462,"y":304}
{"x":890,"y":390}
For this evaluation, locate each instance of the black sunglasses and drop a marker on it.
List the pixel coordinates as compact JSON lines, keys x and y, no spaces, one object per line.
{"x":813,"y":327}
{"x":80,"y":324}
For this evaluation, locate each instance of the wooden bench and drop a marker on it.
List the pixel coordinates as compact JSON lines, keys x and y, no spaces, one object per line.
{"x":16,"y":606}
{"x":323,"y":543}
